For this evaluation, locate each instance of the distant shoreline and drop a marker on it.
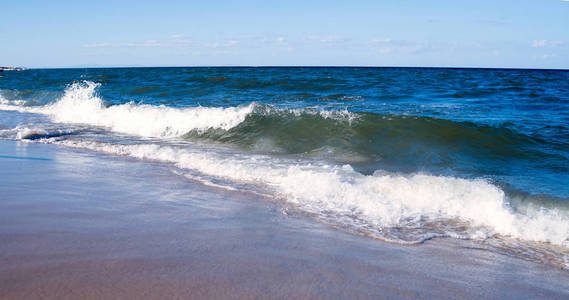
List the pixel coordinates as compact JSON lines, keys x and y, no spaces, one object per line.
{"x":11,"y":69}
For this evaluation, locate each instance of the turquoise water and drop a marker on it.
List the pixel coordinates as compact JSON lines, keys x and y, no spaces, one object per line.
{"x":403,"y":154}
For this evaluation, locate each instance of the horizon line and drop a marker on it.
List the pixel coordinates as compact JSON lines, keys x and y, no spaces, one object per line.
{"x":291,"y":66}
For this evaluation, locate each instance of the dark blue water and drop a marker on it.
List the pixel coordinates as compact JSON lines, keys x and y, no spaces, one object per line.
{"x":511,"y":126}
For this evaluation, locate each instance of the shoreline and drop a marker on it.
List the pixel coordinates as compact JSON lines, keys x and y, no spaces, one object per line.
{"x":75,"y":223}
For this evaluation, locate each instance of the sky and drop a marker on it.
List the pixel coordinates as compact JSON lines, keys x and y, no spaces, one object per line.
{"x":460,"y":33}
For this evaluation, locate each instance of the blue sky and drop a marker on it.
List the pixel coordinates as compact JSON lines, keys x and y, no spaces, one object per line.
{"x":523,"y":34}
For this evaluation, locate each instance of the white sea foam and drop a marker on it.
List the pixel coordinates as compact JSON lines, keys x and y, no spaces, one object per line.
{"x":379,"y":200}
{"x":81,"y":105}
{"x":339,"y":115}
{"x":23,"y":132}
{"x":6,"y":102}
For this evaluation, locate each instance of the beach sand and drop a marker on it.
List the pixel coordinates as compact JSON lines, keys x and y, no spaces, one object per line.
{"x":79,"y":224}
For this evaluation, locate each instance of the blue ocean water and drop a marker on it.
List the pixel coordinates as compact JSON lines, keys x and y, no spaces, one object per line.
{"x":404,"y":153}
{"x":508,"y":125}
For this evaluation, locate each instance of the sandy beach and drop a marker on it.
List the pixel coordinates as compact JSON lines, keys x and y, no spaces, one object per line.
{"x":79,"y":224}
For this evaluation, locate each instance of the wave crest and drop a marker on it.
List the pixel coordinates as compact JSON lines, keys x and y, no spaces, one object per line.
{"x":80,"y":104}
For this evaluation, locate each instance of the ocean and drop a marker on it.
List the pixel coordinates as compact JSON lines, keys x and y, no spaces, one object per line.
{"x":401,"y":155}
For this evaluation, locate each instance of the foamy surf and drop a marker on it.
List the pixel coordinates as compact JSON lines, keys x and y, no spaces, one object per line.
{"x":81,"y":105}
{"x":8,"y":103}
{"x":377,"y":202}
{"x":33,"y":133}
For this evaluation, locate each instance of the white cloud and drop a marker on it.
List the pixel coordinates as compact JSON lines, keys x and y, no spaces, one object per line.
{"x":231,"y":43}
{"x":389,"y":45}
{"x":176,"y":36}
{"x":538,"y":43}
{"x":98,"y":45}
{"x":181,"y":42}
{"x":392,"y":42}
{"x":386,"y":40}
{"x":328,"y":39}
{"x":333,"y":39}
{"x":147,"y":43}
{"x":545,"y":43}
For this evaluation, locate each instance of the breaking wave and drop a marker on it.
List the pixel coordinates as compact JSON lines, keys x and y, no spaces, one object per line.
{"x":377,"y":203}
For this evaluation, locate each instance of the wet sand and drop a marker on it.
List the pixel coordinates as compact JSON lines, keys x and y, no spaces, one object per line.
{"x":78,"y":224}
